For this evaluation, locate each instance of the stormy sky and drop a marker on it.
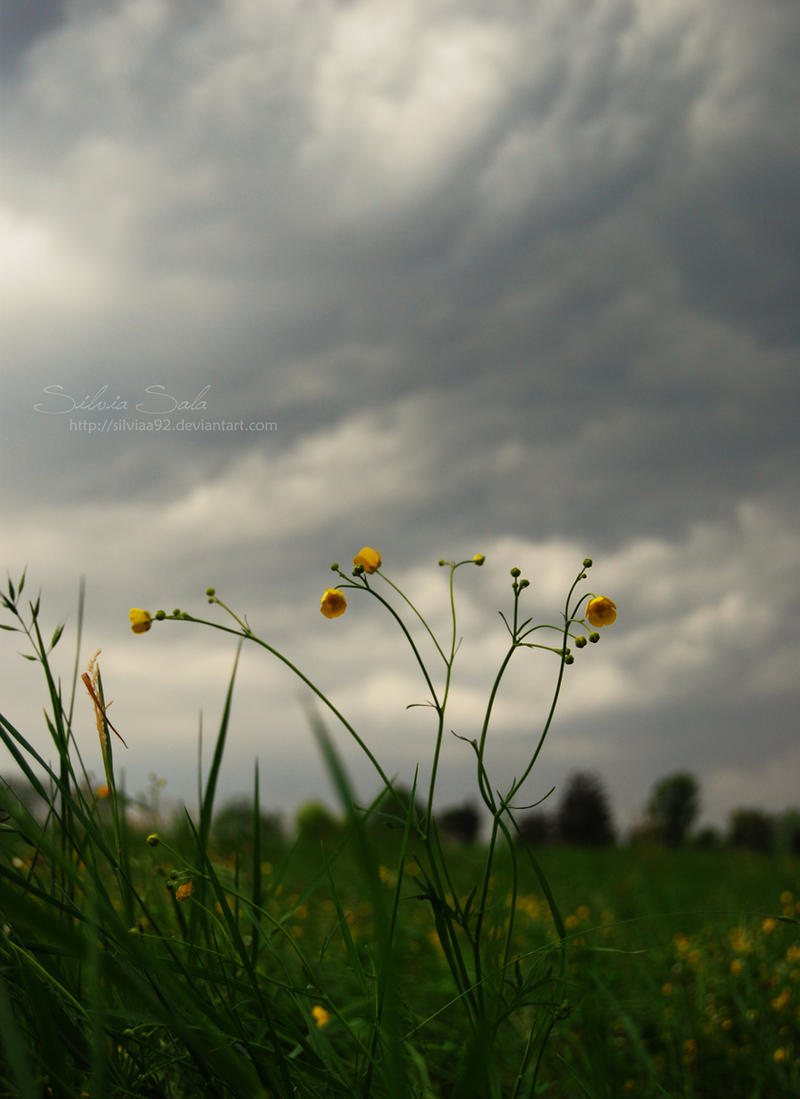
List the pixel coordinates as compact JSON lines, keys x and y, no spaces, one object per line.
{"x":279,"y":280}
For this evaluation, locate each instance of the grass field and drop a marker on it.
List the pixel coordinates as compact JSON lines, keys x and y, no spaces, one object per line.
{"x":682,"y":973}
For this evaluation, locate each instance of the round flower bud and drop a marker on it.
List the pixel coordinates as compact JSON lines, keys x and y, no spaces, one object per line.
{"x":569,"y":659}
{"x":160,"y":615}
{"x":442,"y":561}
{"x":587,"y":562}
{"x":594,"y":638}
{"x":479,"y":558}
{"x":177,"y":612}
{"x":524,"y":583}
{"x":515,"y":572}
{"x":580,"y":642}
{"x":210,"y":591}
{"x":154,"y":839}
{"x":335,"y":566}
{"x":333,"y":603}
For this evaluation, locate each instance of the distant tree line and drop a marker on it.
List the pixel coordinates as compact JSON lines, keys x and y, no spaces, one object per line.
{"x":581,"y":817}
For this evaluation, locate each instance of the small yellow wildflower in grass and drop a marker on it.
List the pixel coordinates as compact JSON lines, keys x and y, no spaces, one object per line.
{"x":333,"y":603}
{"x":739,"y":942}
{"x":780,"y":1001}
{"x":320,"y":1016}
{"x":103,"y":792}
{"x":601,"y":611}
{"x":571,"y":922}
{"x":368,"y":558}
{"x":781,"y":1054}
{"x":183,"y":892}
{"x":769,"y":925}
{"x":786,"y":896}
{"x":666,"y":989}
{"x":141,"y":621}
{"x":736,"y":967}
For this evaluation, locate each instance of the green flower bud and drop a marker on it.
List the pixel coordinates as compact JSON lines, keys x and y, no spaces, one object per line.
{"x":594,"y":638}
{"x":569,"y":659}
{"x":580,"y":642}
{"x":154,"y":839}
{"x":160,"y":615}
{"x":177,"y":612}
{"x":210,"y":592}
{"x":515,"y":572}
{"x":524,"y":583}
{"x":442,"y":561}
{"x":587,"y":562}
{"x":335,"y":566}
{"x":479,"y":559}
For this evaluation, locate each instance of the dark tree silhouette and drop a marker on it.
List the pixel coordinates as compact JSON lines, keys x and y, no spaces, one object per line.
{"x":461,"y":822}
{"x":232,"y":829}
{"x":536,"y":829}
{"x":673,"y":806}
{"x":316,"y":822}
{"x":752,"y":828}
{"x":584,"y":817}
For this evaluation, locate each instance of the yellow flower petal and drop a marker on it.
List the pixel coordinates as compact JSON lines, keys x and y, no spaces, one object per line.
{"x":320,"y":1016}
{"x":183,"y":892}
{"x":601,"y":611}
{"x":369,"y":558}
{"x":141,"y":621}
{"x":333,"y":603}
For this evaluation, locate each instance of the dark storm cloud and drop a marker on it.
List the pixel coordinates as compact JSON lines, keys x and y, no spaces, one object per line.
{"x":21,"y":26}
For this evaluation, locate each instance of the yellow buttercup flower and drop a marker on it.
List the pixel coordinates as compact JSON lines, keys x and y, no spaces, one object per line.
{"x":601,"y":611}
{"x":320,"y":1016}
{"x":141,"y":621}
{"x":183,"y":892}
{"x":333,"y":603}
{"x":368,"y":558}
